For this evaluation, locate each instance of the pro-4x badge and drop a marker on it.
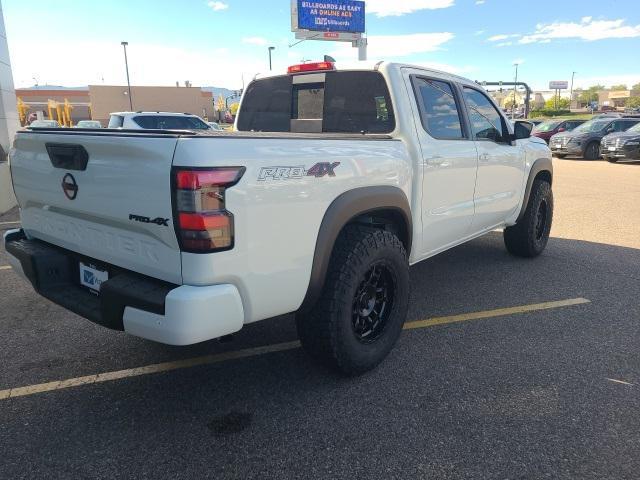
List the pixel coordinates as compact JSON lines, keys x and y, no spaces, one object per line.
{"x":320,"y":169}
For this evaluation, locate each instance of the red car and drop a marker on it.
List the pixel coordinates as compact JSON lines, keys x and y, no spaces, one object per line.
{"x":549,"y":128}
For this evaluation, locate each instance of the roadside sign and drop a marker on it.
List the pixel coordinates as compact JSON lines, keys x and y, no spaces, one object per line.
{"x":335,"y":16}
{"x":333,"y":20}
{"x":558,"y":85}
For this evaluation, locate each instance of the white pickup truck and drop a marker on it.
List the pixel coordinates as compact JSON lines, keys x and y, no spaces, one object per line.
{"x":334,"y":182}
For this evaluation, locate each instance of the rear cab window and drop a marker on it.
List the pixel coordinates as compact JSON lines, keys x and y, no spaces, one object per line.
{"x":327,"y":102}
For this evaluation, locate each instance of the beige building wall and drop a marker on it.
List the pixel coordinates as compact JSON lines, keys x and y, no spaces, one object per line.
{"x":106,"y":99}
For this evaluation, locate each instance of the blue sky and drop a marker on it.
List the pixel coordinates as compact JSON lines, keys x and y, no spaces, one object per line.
{"x":72,"y":43}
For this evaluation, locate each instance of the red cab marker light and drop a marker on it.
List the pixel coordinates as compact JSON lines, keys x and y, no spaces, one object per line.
{"x":311,"y":67}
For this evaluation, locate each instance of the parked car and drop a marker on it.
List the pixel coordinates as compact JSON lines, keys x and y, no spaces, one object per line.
{"x":548,"y":128}
{"x":315,"y":206}
{"x":584,"y":140}
{"x":156,"y":121}
{"x":621,"y":145}
{"x":44,"y":124}
{"x":215,"y":126}
{"x":88,"y":124}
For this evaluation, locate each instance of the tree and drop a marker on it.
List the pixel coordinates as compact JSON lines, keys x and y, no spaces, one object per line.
{"x":622,"y":86}
{"x":233,"y":108}
{"x":590,"y":94}
{"x":563,"y":104}
{"x":633,"y":102}
{"x":635,"y":88}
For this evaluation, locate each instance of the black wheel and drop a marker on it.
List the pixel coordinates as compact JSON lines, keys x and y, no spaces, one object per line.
{"x":560,"y":155}
{"x":363,"y":305}
{"x":592,"y":151}
{"x":611,"y":159}
{"x":529,"y":237}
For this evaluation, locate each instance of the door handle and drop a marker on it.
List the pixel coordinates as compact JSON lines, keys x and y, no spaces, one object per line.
{"x":484,"y":157}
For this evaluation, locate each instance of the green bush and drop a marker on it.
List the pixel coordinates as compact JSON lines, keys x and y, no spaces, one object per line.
{"x":547,"y":112}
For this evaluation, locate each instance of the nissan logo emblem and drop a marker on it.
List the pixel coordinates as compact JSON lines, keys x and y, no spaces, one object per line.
{"x":69,"y":186}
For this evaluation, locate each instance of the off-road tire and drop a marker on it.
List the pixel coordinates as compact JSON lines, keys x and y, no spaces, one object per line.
{"x":529,"y":237}
{"x":330,"y":332}
{"x":611,"y":159}
{"x":592,"y":151}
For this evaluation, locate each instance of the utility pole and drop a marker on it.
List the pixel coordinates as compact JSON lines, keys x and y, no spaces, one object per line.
{"x":126,"y":65}
{"x":571,"y":90}
{"x":515,"y":85}
{"x":270,"y":50}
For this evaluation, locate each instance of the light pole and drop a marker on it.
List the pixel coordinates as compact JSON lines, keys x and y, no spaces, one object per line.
{"x":126,"y":65}
{"x":515,"y":85}
{"x":270,"y":50}
{"x":571,"y":90}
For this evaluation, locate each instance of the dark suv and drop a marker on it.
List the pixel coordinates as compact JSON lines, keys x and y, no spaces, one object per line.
{"x":584,"y":140}
{"x":622,"y":145}
{"x":549,"y":128}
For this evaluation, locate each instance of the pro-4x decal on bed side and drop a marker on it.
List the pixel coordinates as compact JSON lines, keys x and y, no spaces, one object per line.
{"x":287,"y":173}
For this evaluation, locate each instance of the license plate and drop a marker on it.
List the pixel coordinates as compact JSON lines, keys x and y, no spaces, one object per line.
{"x":612,"y":149}
{"x":92,"y":277}
{"x":558,"y":145}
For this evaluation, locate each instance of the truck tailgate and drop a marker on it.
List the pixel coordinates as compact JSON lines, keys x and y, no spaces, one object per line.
{"x":116,"y":210}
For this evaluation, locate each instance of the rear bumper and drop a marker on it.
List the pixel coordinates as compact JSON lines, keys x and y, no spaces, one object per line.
{"x":142,"y":306}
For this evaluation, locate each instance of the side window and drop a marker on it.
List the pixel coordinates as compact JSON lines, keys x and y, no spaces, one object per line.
{"x":626,"y":125}
{"x":486,"y":122}
{"x":115,"y":121}
{"x":439,"y":112}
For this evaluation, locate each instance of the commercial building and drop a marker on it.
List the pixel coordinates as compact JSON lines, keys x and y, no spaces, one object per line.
{"x":96,"y":102}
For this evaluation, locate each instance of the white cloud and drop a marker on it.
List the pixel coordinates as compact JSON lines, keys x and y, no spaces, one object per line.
{"x":387,"y":8}
{"x":445,"y":67}
{"x":496,"y":38}
{"x":587,"y":29}
{"x":149,"y":64}
{"x":519,"y":61}
{"x":478,"y":32}
{"x":217,"y":6}
{"x":480,"y":2}
{"x":388,"y":47}
{"x":255,"y":41}
{"x":607,"y":80}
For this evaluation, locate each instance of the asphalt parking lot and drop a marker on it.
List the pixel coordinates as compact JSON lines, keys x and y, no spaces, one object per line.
{"x":510,"y":368}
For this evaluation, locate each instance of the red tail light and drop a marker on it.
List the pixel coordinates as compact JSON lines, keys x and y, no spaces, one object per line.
{"x":311,"y":67}
{"x":203,"y":222}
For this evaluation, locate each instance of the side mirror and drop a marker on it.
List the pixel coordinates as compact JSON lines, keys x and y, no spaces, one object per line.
{"x":562,"y":129}
{"x":611,"y":130}
{"x":522,"y":129}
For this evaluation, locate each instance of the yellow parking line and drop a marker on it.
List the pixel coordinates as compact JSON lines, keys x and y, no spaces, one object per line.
{"x":5,"y":267}
{"x":430,"y":322}
{"x":253,"y":352}
{"x":619,"y":381}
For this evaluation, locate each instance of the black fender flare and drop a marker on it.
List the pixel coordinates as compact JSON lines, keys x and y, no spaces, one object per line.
{"x":340,"y":212}
{"x":539,"y":165}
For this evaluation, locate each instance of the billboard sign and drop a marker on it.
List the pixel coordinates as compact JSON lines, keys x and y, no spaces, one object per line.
{"x":331,"y":16}
{"x":558,"y":85}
